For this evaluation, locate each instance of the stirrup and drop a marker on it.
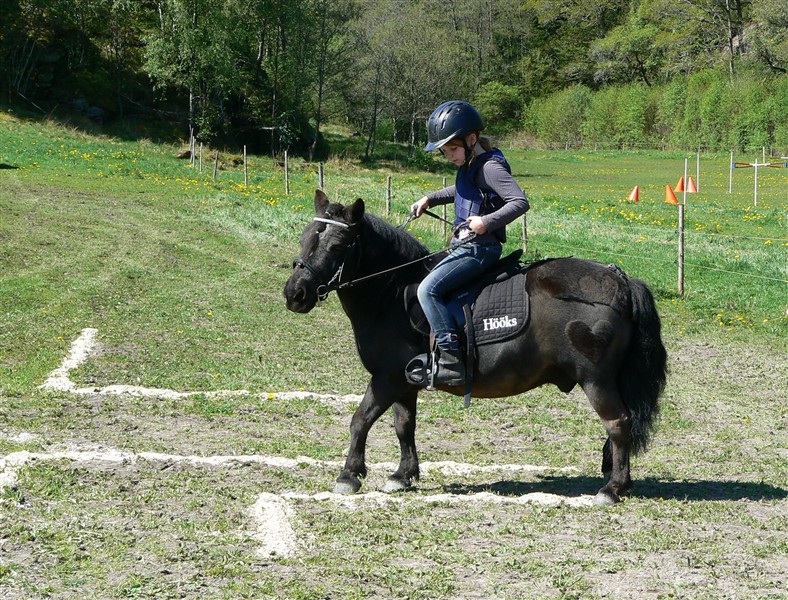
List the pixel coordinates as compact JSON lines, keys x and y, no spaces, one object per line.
{"x":418,"y":370}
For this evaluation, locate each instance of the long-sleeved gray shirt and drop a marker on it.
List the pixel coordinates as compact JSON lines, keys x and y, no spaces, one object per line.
{"x":492,"y":177}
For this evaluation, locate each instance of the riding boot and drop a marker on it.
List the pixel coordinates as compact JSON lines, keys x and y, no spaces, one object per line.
{"x":451,"y":368}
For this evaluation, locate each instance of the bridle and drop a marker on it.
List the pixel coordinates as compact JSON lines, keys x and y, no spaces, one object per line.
{"x":334,"y":282}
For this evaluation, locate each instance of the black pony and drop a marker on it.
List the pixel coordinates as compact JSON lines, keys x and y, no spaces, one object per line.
{"x":590,"y":325}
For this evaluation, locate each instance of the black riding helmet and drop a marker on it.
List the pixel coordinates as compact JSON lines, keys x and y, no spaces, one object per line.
{"x":450,"y":120}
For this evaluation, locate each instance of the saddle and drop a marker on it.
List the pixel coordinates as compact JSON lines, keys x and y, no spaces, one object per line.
{"x":492,"y":309}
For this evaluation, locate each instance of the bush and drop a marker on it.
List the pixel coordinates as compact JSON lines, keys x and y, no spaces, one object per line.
{"x":632,"y":122}
{"x":759,"y":113}
{"x":705,"y":110}
{"x":601,"y":118}
{"x":779,"y":96}
{"x":670,"y":112}
{"x":716,"y":108}
{"x":698,"y":85}
{"x":558,"y":119}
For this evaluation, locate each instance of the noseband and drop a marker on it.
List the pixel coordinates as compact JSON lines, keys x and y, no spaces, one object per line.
{"x":323,"y":290}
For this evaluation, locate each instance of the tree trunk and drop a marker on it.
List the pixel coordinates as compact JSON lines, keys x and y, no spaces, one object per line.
{"x":321,"y":77}
{"x":373,"y":128}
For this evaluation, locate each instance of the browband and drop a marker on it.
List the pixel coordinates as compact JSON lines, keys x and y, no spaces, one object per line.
{"x":332,"y":222}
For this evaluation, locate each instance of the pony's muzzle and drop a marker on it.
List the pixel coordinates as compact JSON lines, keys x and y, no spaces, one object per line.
{"x":299,"y":297}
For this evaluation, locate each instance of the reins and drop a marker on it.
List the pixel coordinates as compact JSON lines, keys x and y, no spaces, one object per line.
{"x":334,"y":283}
{"x":410,"y":218}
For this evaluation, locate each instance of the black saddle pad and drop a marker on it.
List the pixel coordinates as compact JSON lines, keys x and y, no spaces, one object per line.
{"x":501,"y":310}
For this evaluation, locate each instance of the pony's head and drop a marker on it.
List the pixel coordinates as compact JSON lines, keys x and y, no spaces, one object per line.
{"x":326,"y":245}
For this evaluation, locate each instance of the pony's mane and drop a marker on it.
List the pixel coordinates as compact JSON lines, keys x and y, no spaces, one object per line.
{"x":399,"y":241}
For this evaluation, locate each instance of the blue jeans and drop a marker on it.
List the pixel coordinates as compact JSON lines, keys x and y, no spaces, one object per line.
{"x":464,"y":264}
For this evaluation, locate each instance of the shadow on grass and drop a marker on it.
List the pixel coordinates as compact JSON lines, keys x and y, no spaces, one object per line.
{"x":7,"y":166}
{"x":699,"y":490}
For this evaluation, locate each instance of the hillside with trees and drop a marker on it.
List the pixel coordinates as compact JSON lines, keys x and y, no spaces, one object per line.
{"x":710,"y":74}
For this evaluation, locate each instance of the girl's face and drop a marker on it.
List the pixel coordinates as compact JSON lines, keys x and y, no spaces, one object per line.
{"x":454,"y":153}
{"x":454,"y":150}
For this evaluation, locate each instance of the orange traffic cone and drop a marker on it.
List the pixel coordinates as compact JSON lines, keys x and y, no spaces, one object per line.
{"x":670,"y":197}
{"x":634,"y":196}
{"x":680,"y":184}
{"x":691,"y":189}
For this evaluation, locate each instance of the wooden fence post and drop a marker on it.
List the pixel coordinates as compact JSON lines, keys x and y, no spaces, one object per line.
{"x":287,"y":176}
{"x":681,"y":250}
{"x":388,"y":194}
{"x":730,"y":177}
{"x":246,"y":169}
{"x":320,"y":176}
{"x":215,"y":165}
{"x":681,"y":235}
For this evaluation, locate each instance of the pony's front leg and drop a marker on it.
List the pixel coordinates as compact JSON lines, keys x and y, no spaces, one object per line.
{"x":376,"y":401}
{"x":405,"y":426}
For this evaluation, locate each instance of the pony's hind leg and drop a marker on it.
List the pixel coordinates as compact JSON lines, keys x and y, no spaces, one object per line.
{"x":607,"y":460}
{"x":615,"y":455}
{"x":405,"y":426}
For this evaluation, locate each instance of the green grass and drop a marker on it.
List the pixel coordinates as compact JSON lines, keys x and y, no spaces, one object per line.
{"x":183,"y":276}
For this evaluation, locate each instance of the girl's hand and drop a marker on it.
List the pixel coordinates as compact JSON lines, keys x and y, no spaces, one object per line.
{"x":418,"y":208}
{"x":477,"y":225}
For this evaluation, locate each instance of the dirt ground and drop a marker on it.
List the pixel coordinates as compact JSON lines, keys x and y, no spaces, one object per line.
{"x":129,"y":496}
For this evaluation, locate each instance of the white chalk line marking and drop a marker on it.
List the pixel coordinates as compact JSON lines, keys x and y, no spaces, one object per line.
{"x":381,"y":499}
{"x":85,"y":345}
{"x":12,"y":463}
{"x":272,"y":513}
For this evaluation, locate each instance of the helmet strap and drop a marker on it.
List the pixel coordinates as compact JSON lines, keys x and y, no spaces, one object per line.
{"x":469,"y":153}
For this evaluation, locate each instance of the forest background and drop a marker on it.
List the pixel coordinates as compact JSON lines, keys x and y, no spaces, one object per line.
{"x":269,"y":74}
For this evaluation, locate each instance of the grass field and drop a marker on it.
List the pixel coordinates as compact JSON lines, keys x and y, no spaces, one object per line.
{"x":182,"y":278}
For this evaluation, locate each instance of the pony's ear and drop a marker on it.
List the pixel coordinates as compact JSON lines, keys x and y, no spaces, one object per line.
{"x":355,"y":211}
{"x":321,"y":202}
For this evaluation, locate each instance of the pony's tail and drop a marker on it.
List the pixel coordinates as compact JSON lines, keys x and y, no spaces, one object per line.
{"x":644,"y":372}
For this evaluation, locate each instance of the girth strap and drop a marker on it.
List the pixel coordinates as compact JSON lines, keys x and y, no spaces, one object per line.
{"x":470,"y":346}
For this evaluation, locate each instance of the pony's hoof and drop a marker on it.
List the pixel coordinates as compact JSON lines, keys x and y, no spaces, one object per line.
{"x":395,"y":485}
{"x":606,"y":499}
{"x":346,"y":488}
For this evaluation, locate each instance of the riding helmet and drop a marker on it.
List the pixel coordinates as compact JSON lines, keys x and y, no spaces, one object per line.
{"x":450,"y":120}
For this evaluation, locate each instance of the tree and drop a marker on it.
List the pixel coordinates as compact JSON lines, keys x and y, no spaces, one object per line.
{"x":700,"y":33}
{"x":332,"y":17}
{"x":627,"y":53}
{"x":415,"y":70}
{"x":119,"y":37}
{"x":567,"y":28}
{"x":770,"y":33}
{"x":192,"y":50}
